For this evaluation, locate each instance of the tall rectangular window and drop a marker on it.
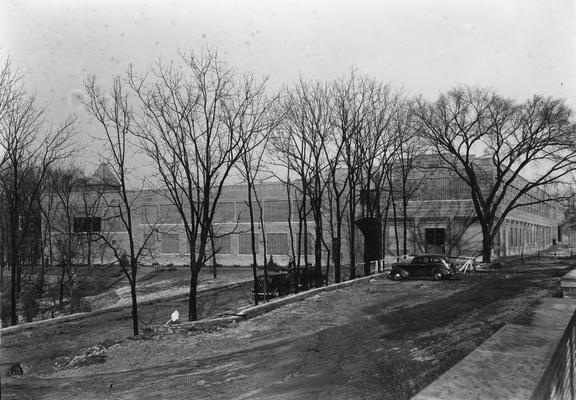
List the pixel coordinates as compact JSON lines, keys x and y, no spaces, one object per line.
{"x":170,"y":243}
{"x":148,"y":214}
{"x":296,"y":206}
{"x":243,"y":212}
{"x":224,"y":212}
{"x":169,"y":214}
{"x":435,"y":239}
{"x":114,"y":224}
{"x":277,"y":243}
{"x":276,"y":211}
{"x":87,"y":224}
{"x":245,"y":243}
{"x":222,"y":245}
{"x":149,"y":240}
{"x":309,"y":243}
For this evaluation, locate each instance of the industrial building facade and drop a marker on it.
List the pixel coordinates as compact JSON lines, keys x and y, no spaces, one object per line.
{"x":440,"y":219}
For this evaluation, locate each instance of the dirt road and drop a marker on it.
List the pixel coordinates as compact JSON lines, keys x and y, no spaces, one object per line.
{"x":381,"y":340}
{"x":40,"y":348}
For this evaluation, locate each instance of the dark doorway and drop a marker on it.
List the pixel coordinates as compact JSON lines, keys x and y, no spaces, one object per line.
{"x":435,"y":240}
{"x":370,"y":228}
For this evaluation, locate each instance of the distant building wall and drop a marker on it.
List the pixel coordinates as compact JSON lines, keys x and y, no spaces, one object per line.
{"x":440,"y":219}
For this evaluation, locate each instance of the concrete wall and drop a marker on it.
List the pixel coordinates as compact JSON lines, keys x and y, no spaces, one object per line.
{"x":534,"y":362}
{"x":559,"y":380}
{"x":518,"y":362}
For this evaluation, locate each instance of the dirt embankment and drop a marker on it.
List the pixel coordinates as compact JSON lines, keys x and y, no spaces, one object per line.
{"x":381,"y":340}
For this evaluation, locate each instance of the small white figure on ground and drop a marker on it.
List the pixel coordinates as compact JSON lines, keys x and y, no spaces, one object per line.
{"x":173,"y":318}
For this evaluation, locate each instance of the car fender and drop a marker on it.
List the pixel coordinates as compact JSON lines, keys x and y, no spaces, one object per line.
{"x":403,"y":272}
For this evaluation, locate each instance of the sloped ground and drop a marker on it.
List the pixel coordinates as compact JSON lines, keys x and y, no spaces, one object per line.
{"x":380,"y":340}
{"x":166,"y":282}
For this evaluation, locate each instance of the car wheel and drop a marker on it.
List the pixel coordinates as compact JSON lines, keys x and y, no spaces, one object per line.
{"x":437,"y":275}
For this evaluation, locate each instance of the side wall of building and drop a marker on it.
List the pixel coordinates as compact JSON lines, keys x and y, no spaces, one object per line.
{"x":438,"y":225}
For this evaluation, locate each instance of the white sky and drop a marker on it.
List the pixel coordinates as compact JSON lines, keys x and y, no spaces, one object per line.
{"x":517,"y":47}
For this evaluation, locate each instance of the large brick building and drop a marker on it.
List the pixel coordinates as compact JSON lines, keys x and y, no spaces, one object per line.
{"x":441,"y":219}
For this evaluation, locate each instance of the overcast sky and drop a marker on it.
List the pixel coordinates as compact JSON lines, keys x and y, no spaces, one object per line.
{"x":517,"y":47}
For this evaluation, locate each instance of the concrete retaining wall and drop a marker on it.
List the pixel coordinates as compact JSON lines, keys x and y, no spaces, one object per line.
{"x":559,"y":380}
{"x":262,"y":308}
{"x":568,"y":285}
{"x":519,"y":362}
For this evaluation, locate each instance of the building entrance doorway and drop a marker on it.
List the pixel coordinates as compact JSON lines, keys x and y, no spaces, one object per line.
{"x":370,"y":228}
{"x":434,"y":240}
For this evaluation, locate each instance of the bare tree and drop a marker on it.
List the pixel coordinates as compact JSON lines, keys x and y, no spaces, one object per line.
{"x":300,"y":140}
{"x":190,"y":116}
{"x":338,"y":195}
{"x":255,"y":122}
{"x":409,"y":148}
{"x":64,"y":185}
{"x":28,"y":151}
{"x":377,"y":145}
{"x":535,"y":138}
{"x":352,"y":101}
{"x":112,"y":110}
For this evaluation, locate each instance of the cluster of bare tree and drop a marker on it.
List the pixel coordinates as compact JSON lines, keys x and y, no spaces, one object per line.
{"x":536,"y":138}
{"x":345,"y":150}
{"x":29,"y":149}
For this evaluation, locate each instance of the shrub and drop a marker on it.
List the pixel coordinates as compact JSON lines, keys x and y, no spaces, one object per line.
{"x":79,"y":304}
{"x":30,"y":305}
{"x":5,"y":310}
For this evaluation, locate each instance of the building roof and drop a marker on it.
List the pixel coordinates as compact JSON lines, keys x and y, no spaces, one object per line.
{"x":103,"y":176}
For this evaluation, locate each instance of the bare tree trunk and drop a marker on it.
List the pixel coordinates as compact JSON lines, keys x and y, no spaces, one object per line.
{"x":61,"y":284}
{"x":14,"y":265}
{"x":305,"y":283}
{"x":214,"y":272}
{"x":487,"y":243}
{"x":253,"y":243}
{"x":19,"y":277}
{"x":384,"y":231}
{"x":337,"y":244}
{"x":352,"y":239}
{"x":337,"y":249}
{"x":395,"y":223}
{"x":71,"y":286}
{"x":299,"y":250}
{"x":135,"y":328}
{"x":318,"y":247}
{"x":404,"y":216}
{"x":290,"y":229}
{"x":192,"y":311}
{"x":13,"y":296}
{"x":264,"y":255}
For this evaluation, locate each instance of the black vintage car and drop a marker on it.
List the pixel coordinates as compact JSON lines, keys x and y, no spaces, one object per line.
{"x":279,"y":284}
{"x":283,"y":281}
{"x":436,"y":266}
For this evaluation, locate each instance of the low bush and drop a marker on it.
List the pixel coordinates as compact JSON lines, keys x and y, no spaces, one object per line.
{"x":5,"y":310}
{"x":30,"y":306}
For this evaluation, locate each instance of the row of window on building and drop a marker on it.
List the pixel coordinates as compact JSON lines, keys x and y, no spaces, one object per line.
{"x":521,"y":234}
{"x":454,"y":188}
{"x":277,"y":243}
{"x":537,"y":208}
{"x":226,"y":212}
